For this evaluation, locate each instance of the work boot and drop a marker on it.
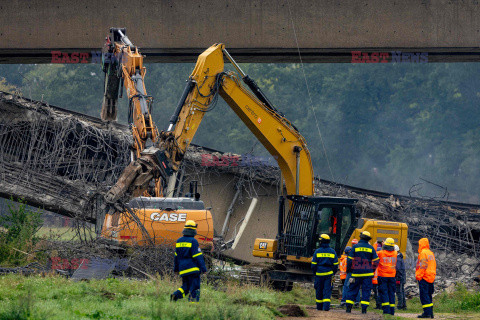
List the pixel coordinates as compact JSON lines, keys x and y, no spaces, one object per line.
{"x":364,"y":310}
{"x":349,"y":308}
{"x":423,"y":315}
{"x":173,"y":297}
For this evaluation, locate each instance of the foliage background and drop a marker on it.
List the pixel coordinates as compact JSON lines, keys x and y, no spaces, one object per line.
{"x":384,"y":126}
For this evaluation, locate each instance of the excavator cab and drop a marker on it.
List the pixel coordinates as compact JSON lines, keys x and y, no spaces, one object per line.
{"x":308,"y":218}
{"x":336,"y":220}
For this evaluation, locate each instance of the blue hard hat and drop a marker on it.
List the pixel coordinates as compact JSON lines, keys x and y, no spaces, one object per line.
{"x":347,"y":249}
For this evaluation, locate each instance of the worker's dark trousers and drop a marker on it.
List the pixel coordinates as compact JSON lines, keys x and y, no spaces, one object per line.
{"x":191,"y":284}
{"x":323,"y":292}
{"x":401,"y":302}
{"x":376,"y":296}
{"x":426,"y":292}
{"x":366,"y":284}
{"x":386,"y":290}
{"x":346,"y":287}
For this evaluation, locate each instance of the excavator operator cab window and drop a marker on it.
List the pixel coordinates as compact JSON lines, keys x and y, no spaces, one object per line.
{"x":336,"y":221}
{"x":347,"y":217}
{"x":327,"y":223}
{"x":323,"y":216}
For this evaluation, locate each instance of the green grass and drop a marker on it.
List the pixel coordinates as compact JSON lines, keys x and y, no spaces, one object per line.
{"x":54,"y":297}
{"x":459,"y":301}
{"x":460,"y":304}
{"x":59,"y":233}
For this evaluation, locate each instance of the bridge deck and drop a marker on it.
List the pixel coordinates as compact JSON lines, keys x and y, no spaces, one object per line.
{"x":254,"y":30}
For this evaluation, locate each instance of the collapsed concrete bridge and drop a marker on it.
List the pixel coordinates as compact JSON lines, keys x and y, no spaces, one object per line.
{"x":63,"y":161}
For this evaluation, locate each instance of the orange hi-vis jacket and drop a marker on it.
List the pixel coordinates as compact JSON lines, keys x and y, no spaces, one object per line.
{"x":387,"y":263}
{"x":375,"y":277}
{"x":343,"y":266}
{"x":426,"y":264}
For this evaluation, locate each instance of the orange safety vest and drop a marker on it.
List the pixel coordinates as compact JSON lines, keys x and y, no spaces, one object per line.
{"x":334,"y":225}
{"x":426,"y":264}
{"x":375,"y":277}
{"x":387,"y":263}
{"x":343,"y":267}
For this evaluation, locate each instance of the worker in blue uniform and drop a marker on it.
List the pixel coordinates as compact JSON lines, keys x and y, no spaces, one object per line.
{"x":401,"y":278}
{"x":189,"y":264}
{"x":361,"y":262}
{"x":324,"y":265}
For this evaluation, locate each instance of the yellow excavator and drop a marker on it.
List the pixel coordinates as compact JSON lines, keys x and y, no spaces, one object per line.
{"x":302,"y":216}
{"x":144,"y":219}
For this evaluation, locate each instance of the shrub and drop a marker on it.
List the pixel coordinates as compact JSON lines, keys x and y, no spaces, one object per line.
{"x":19,"y":225}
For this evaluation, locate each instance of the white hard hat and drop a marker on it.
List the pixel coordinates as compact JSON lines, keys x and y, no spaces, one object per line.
{"x":397,"y":248}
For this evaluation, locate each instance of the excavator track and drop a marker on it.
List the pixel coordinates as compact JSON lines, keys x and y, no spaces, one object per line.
{"x":259,"y":276}
{"x":251,"y":275}
{"x":337,"y":286}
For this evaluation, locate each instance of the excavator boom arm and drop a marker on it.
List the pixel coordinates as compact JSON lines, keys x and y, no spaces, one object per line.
{"x":272,"y":129}
{"x":123,"y":65}
{"x":276,"y":134}
{"x":200,"y":93}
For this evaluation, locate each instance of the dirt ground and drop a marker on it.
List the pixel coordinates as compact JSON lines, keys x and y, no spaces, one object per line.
{"x":441,"y":316}
{"x":340,"y":314}
{"x":336,"y":314}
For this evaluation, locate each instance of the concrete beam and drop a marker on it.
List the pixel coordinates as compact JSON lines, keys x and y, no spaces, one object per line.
{"x":254,"y":30}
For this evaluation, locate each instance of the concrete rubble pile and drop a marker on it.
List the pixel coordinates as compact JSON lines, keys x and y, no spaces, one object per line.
{"x":63,"y":161}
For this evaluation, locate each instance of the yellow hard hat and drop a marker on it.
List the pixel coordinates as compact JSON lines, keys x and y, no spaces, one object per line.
{"x":366,"y":233}
{"x":324,"y":236}
{"x":389,"y":242}
{"x":190,"y":224}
